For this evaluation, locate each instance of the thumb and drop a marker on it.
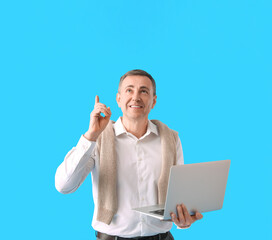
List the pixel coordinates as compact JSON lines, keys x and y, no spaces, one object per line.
{"x":198,"y":216}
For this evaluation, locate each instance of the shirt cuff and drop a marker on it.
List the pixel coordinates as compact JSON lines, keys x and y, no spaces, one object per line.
{"x":86,"y":145}
{"x":183,"y":227}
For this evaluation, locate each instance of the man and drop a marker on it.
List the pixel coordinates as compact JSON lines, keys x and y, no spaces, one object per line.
{"x":129,"y":161}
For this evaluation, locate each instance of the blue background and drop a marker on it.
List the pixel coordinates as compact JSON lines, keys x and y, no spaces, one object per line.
{"x":212,"y":64}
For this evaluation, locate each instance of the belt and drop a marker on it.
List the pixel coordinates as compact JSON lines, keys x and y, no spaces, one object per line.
{"x":104,"y":236}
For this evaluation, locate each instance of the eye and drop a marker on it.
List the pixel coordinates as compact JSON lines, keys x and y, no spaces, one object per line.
{"x":129,"y":90}
{"x":144,"y":91}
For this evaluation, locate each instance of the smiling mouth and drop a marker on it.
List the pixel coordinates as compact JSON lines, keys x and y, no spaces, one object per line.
{"x":135,"y":106}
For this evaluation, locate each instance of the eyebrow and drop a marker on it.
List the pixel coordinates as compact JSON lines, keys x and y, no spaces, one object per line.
{"x":142,"y":87}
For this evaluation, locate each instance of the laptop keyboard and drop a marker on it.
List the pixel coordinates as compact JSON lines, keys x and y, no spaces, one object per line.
{"x":159,"y":212}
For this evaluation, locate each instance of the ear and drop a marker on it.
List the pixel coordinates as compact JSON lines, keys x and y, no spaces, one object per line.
{"x":154,"y":101}
{"x":118,"y":99}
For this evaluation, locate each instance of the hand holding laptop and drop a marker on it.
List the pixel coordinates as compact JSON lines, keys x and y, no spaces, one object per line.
{"x":200,"y":187}
{"x":184,"y":219}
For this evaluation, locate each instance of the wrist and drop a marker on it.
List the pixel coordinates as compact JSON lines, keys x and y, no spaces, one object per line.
{"x":90,"y":137}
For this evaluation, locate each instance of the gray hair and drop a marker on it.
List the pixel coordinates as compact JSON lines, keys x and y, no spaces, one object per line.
{"x":138,"y":72}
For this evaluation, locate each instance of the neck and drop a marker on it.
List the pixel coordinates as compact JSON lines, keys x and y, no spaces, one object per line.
{"x":137,"y":127}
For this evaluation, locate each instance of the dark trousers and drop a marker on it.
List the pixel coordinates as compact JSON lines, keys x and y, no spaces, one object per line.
{"x":169,"y":236}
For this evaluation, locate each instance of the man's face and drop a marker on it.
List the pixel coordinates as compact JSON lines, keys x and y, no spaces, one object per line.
{"x":136,"y":97}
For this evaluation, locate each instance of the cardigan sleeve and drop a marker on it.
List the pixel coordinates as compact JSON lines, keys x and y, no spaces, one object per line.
{"x":180,"y":159}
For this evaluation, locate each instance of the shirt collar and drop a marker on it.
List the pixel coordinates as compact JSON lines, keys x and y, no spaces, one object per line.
{"x":120,"y":129}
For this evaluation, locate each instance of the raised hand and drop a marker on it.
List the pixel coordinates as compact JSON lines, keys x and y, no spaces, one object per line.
{"x":97,"y":122}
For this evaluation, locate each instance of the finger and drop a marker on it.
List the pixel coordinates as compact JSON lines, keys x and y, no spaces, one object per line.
{"x":181,"y":216}
{"x":109,"y":111}
{"x":100,"y":105}
{"x":188,"y":218}
{"x":105,"y":110}
{"x":98,"y":110}
{"x":96,"y":99}
{"x":174,"y":218}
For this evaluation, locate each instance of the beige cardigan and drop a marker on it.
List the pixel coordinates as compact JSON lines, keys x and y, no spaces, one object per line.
{"x":107,"y":186}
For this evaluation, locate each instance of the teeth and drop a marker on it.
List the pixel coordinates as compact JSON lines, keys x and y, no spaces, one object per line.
{"x":135,"y":106}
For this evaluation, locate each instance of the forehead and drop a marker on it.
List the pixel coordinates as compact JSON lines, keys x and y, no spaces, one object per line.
{"x":137,"y":81}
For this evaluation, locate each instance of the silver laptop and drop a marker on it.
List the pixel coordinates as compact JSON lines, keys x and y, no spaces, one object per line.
{"x":200,"y":186}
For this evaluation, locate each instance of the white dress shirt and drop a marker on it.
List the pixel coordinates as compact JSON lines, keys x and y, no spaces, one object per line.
{"x":138,"y":171}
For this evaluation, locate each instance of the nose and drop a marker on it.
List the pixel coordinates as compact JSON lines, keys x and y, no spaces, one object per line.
{"x":136,"y":96}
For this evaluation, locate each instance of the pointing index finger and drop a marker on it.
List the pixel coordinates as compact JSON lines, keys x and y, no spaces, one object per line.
{"x":96,"y":99}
